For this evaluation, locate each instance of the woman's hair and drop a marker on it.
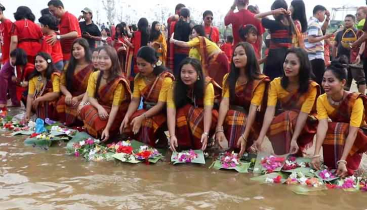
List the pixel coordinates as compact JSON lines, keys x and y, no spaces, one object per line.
{"x":115,"y":70}
{"x":73,"y":62}
{"x":199,"y":30}
{"x":181,"y":90}
{"x":150,"y":55}
{"x":283,"y":4}
{"x":45,"y":11}
{"x":247,"y":29}
{"x":122,"y":27}
{"x":50,"y":21}
{"x":24,"y":12}
{"x":185,"y":12}
{"x":338,"y":70}
{"x":143,"y":27}
{"x":252,"y":69}
{"x":154,"y":34}
{"x":50,"y":66}
{"x":299,"y":13}
{"x":305,"y":70}
{"x":20,"y":56}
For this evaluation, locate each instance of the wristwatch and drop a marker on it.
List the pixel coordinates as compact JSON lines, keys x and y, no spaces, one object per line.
{"x":58,"y":37}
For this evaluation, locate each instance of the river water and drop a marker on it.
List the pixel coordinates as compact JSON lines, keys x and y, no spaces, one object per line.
{"x":36,"y":178}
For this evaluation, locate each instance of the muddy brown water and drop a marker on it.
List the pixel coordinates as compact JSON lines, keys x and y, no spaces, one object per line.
{"x":35,"y":178}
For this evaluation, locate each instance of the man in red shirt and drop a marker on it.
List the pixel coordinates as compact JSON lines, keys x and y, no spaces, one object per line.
{"x":171,"y":23}
{"x":243,"y":17}
{"x":227,"y":48}
{"x":69,"y":28}
{"x":211,"y":32}
{"x":6,"y":28}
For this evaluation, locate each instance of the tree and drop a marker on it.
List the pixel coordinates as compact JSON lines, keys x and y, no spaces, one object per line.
{"x":109,"y":7}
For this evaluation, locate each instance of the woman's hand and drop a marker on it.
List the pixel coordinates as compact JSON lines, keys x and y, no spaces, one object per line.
{"x":342,"y":170}
{"x":280,"y":11}
{"x":204,"y":140}
{"x":124,"y":124}
{"x":136,"y":123}
{"x":316,"y":162}
{"x":173,"y":143}
{"x":74,"y":101}
{"x":358,"y":59}
{"x":24,"y":84}
{"x":14,"y":79}
{"x":102,"y":113}
{"x":35,"y":103}
{"x":68,"y":100}
{"x":26,"y":118}
{"x":241,"y":143}
{"x":220,"y":137}
{"x":256,"y":147}
{"x":105,"y":135}
{"x":294,"y":147}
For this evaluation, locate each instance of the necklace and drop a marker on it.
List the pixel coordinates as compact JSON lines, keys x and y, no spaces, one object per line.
{"x":148,"y":80}
{"x":335,"y":103}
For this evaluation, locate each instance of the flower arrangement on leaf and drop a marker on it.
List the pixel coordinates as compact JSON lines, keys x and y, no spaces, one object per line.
{"x":84,"y":148}
{"x":121,"y":147}
{"x":272,"y":163}
{"x":186,"y":156}
{"x":65,"y":131}
{"x":145,"y":153}
{"x":44,"y":137}
{"x":291,"y":164}
{"x":230,"y":160}
{"x":326,"y":175}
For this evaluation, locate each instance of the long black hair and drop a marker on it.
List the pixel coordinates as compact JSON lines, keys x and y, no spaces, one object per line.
{"x":181,"y":90}
{"x":154,"y":34}
{"x":305,"y":70}
{"x":50,"y":66}
{"x":20,"y":56}
{"x":299,"y":13}
{"x":143,"y":27}
{"x":252,"y":69}
{"x":199,"y":30}
{"x":123,"y":31}
{"x":73,"y":62}
{"x":150,"y":55}
{"x":24,"y":12}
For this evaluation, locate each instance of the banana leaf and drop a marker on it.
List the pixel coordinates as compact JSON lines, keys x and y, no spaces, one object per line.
{"x":262,"y":178}
{"x":199,"y":160}
{"x":41,"y":142}
{"x":242,"y":168}
{"x":125,"y":158}
{"x":258,"y":168}
{"x":22,"y":133}
{"x":80,"y":136}
{"x":305,"y":190}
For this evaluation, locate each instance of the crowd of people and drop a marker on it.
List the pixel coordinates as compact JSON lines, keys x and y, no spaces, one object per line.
{"x":141,"y":82}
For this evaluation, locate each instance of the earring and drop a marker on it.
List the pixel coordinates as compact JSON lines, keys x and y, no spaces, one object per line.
{"x":198,"y":78}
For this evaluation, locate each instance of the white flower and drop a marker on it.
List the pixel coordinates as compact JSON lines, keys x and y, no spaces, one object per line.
{"x":303,"y":165}
{"x":327,"y":175}
{"x":293,"y":175}
{"x":144,"y":148}
{"x":227,"y":159}
{"x":269,"y":180}
{"x":125,"y":143}
{"x":303,"y":180}
{"x":82,"y":143}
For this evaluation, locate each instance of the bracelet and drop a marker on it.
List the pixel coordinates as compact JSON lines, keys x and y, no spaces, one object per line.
{"x":316,"y":156}
{"x":342,"y":161}
{"x":243,"y":138}
{"x":145,"y":117}
{"x":219,"y":131}
{"x":206,"y":134}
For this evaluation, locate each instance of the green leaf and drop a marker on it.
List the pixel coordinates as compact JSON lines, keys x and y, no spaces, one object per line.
{"x":22,"y":133}
{"x":242,"y":168}
{"x":80,"y":136}
{"x":199,"y":160}
{"x":125,"y":158}
{"x":264,"y":177}
{"x":155,"y":159}
{"x":37,"y":142}
{"x":305,"y":171}
{"x":305,"y":190}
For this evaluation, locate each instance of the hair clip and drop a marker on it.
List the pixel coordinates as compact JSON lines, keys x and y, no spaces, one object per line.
{"x":48,"y":60}
{"x":159,"y":63}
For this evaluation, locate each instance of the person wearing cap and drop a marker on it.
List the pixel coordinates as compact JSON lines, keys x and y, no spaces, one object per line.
{"x":90,"y":31}
{"x":69,"y":28}
{"x":6,"y":27}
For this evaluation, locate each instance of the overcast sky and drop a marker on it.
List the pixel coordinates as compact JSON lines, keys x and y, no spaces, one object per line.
{"x":147,"y":8}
